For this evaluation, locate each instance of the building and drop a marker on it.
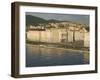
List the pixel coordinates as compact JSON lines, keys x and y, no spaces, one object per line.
{"x":60,"y":33}
{"x":86,"y":40}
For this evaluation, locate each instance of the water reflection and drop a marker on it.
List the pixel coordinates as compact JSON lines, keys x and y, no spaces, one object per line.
{"x":43,"y":56}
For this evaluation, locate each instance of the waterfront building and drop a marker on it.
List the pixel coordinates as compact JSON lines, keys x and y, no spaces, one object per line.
{"x":62,"y":32}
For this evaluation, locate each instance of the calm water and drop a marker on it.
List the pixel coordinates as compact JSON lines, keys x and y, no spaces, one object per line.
{"x":42,"y":56}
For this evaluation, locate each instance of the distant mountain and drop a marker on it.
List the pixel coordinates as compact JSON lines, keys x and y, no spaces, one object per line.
{"x":32,"y":20}
{"x":53,"y":20}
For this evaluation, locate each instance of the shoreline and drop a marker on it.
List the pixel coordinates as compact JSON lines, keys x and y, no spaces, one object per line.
{"x":69,"y":49}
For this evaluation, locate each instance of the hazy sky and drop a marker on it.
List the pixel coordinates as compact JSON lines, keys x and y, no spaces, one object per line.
{"x":84,"y":19}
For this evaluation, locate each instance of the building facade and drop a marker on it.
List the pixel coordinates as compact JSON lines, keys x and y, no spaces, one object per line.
{"x":63,"y":34}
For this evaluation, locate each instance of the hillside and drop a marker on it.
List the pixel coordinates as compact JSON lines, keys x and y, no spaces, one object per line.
{"x":32,"y":20}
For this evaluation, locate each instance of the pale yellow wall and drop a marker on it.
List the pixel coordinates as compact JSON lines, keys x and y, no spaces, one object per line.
{"x":70,"y":36}
{"x":86,"y":40}
{"x":54,"y":35}
{"x":51,"y":36}
{"x":33,"y":35}
{"x":79,"y":35}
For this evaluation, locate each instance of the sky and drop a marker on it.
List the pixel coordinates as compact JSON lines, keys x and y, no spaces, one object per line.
{"x":83,"y":19}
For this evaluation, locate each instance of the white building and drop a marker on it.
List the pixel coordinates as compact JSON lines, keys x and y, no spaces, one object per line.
{"x":69,"y":33}
{"x":86,"y":40}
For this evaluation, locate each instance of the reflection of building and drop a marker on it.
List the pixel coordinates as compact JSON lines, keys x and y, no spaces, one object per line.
{"x":59,"y":33}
